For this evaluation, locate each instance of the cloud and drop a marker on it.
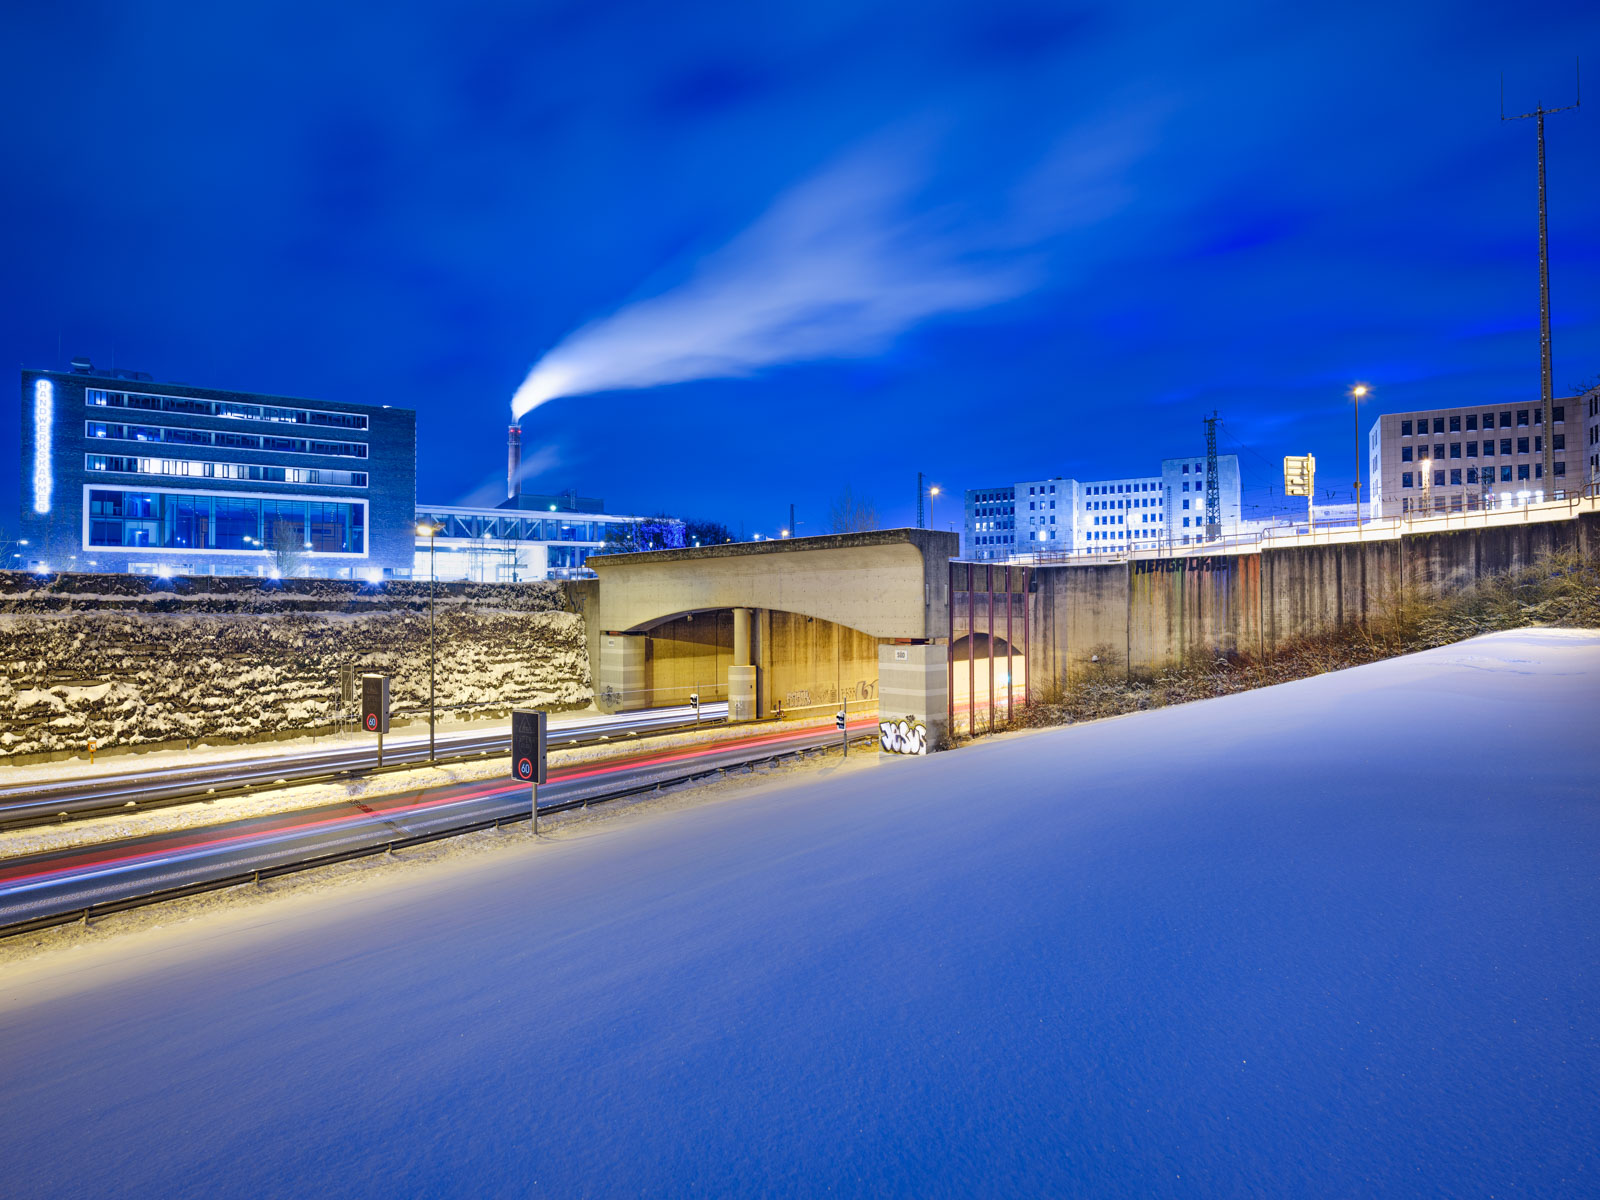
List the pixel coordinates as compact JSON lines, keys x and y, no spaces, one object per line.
{"x":837,"y":268}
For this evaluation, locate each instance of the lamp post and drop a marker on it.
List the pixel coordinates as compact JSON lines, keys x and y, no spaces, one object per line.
{"x":432,"y":531}
{"x":1356,"y":393}
{"x":933,"y":494}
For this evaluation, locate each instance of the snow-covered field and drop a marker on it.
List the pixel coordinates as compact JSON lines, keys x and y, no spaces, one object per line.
{"x":1331,"y":938}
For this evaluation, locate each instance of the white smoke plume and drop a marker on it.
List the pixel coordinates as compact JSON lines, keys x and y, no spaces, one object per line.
{"x":835,"y":269}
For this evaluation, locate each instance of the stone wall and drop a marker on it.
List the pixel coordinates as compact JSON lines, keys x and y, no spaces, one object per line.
{"x":138,"y":662}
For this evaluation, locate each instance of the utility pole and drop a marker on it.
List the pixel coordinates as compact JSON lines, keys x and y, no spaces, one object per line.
{"x":1213,"y":488}
{"x":920,"y":525}
{"x":1546,"y":387}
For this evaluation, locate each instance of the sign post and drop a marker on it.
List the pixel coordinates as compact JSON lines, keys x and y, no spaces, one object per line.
{"x":528,"y":738}
{"x":1299,"y":479}
{"x":375,"y":708}
{"x":694,"y":700}
{"x":839,"y":721}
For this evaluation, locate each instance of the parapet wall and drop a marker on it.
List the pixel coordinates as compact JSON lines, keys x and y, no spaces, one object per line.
{"x":1152,"y":613}
{"x":136,"y":662}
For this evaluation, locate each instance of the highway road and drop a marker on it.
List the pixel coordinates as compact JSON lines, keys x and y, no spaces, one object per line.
{"x":89,"y":796}
{"x":49,"y":888}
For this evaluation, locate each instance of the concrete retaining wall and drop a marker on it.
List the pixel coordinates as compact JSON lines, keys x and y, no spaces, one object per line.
{"x":1153,"y":613}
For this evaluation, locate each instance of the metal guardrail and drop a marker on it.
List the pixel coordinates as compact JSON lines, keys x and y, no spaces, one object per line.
{"x":1276,"y":537}
{"x":181,"y":793}
{"x":161,"y":895}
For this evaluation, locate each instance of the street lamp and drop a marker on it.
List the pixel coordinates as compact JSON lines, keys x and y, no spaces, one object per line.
{"x":1356,"y":393}
{"x":933,"y":494}
{"x":430,"y":531}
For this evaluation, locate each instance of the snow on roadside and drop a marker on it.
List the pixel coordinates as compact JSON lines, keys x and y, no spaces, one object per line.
{"x":363,"y":880}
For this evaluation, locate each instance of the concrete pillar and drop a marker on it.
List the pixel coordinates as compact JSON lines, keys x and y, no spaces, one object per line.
{"x":619,"y":684}
{"x":741,"y":671}
{"x":913,"y":698}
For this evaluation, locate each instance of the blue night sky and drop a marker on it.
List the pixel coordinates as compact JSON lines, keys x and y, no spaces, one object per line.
{"x":780,"y":249}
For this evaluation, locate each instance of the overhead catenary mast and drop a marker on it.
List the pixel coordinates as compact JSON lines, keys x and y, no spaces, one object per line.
{"x":1547,"y":390}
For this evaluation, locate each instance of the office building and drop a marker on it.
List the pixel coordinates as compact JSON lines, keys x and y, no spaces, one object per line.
{"x":1589,"y":406}
{"x":1449,"y":460}
{"x":1103,"y":516}
{"x":1183,"y":490}
{"x":124,"y":474}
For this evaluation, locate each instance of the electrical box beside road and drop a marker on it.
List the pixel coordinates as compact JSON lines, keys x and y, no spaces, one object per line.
{"x":528,"y":731}
{"x":375,"y":703}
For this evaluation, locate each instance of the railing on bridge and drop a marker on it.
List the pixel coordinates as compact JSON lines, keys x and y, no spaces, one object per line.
{"x":996,"y":595}
{"x":1563,"y":508}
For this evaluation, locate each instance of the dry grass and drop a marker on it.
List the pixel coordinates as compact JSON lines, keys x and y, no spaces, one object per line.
{"x":1561,"y":590}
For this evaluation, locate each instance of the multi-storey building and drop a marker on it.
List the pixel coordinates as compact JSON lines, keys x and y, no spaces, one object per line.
{"x":1121,"y":514}
{"x":124,"y":474}
{"x":1589,"y":406}
{"x":1045,"y":509}
{"x":1183,"y":488}
{"x":1460,"y":459}
{"x":1105,"y":516}
{"x":992,"y":522}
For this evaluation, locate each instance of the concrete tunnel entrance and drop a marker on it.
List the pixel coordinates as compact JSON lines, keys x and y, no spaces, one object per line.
{"x":793,"y":665}
{"x":797,"y":626}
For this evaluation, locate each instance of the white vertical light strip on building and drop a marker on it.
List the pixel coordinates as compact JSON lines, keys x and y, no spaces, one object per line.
{"x":44,"y":403}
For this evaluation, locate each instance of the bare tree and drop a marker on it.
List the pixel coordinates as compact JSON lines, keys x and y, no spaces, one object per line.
{"x":851,"y":514}
{"x":287,"y":545}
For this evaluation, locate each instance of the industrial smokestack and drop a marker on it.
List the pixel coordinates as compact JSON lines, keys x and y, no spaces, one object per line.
{"x":513,"y":462}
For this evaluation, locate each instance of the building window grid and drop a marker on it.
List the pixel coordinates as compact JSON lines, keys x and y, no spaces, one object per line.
{"x":223,"y":409}
{"x":179,"y":435}
{"x":193,"y":468}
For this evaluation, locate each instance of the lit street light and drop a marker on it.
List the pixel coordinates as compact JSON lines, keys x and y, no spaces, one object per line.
{"x":933,"y":494}
{"x":1356,"y":393}
{"x":431,"y":531}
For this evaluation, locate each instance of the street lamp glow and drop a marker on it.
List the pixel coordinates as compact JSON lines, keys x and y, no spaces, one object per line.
{"x":1356,"y":393}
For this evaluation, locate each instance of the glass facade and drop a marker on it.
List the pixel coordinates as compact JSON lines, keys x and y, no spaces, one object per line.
{"x":113,"y":431}
{"x":172,"y":521}
{"x":129,"y":465}
{"x":195,"y":406}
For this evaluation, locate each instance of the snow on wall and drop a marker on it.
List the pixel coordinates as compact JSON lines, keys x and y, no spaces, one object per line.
{"x":139,"y":662}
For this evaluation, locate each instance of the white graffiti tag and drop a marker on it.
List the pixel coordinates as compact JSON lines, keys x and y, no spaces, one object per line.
{"x":905,"y":736}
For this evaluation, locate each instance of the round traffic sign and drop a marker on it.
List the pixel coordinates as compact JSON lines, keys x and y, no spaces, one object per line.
{"x":372,"y":721}
{"x":524,"y":768}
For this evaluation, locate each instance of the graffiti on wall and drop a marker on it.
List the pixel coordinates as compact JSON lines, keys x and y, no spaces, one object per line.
{"x":862,"y":689}
{"x":1163,"y":566}
{"x":905,"y":736}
